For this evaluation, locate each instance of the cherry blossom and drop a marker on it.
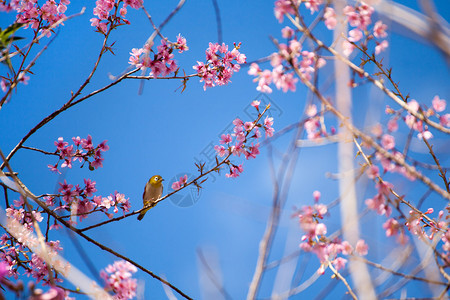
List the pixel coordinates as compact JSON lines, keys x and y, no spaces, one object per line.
{"x":118,"y":278}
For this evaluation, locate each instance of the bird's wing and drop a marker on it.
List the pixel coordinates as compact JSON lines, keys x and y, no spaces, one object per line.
{"x":143,"y":194}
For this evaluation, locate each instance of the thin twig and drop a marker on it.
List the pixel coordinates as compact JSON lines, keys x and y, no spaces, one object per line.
{"x":442,"y":174}
{"x":40,"y":150}
{"x":330,"y":265}
{"x":379,"y":266}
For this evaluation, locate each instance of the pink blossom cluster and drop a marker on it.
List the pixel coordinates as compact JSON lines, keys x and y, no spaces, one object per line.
{"x":54,"y":293}
{"x":282,"y":75}
{"x":314,"y":128}
{"x":220,"y":64}
{"x":83,"y":201}
{"x":83,"y":152}
{"x":118,"y":278}
{"x":103,"y":9}
{"x":417,"y":226}
{"x":16,"y":250}
{"x":31,"y":14}
{"x":238,"y":142}
{"x":380,"y":202}
{"x":162,"y":62}
{"x":358,"y":16}
{"x":315,"y":240}
{"x":387,"y":141}
{"x":5,"y":82}
{"x":283,"y":7}
{"x":38,"y":267}
{"x":180,"y":183}
{"x":18,"y":213}
{"x":437,"y":108}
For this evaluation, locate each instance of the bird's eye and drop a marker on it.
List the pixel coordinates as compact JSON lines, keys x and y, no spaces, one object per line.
{"x":156,"y":178}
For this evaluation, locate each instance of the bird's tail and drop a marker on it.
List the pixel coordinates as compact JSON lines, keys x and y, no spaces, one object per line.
{"x":142,"y":214}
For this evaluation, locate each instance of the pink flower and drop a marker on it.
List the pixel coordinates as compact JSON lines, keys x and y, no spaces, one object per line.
{"x":330,"y":18}
{"x":284,"y":81}
{"x":361,"y":248}
{"x":355,"y":35}
{"x":413,"y":105}
{"x":89,"y":187}
{"x":135,"y":58}
{"x":377,"y":130}
{"x":391,"y":226}
{"x":311,"y":110}
{"x":87,"y":143}
{"x":103,"y":147}
{"x":248,"y":126}
{"x":381,"y":47}
{"x":373,"y":172}
{"x":255,"y":104}
{"x":225,"y":139}
{"x":339,"y":263}
{"x":388,"y":142}
{"x":181,"y":44}
{"x":107,"y":202}
{"x":60,"y":144}
{"x":439,"y":104}
{"x":320,"y":229}
{"x":123,"y":12}
{"x":347,"y":47}
{"x":347,"y":249}
{"x":282,"y":7}
{"x":55,"y":293}
{"x":392,"y":125}
{"x":254,"y":150}
{"x":425,"y":135}
{"x":254,"y":69}
{"x":235,"y":171}
{"x":378,"y":203}
{"x":445,"y":120}
{"x":321,"y":209}
{"x":136,"y":4}
{"x":76,"y":141}
{"x":316,"y":195}
{"x":379,"y":30}
{"x":384,"y":188}
{"x":53,"y":168}
{"x":221,"y":150}
{"x":287,"y":32}
{"x":268,"y":122}
{"x":3,"y":85}
{"x":98,"y":162}
{"x":23,"y":78}
{"x":238,"y":122}
{"x":313,"y":5}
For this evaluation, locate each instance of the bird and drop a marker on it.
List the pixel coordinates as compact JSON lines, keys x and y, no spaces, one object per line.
{"x":152,"y":192}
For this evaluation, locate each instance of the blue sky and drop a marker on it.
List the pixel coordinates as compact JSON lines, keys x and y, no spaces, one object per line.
{"x":164,"y":131}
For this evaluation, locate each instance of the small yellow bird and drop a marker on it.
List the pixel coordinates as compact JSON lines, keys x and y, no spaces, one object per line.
{"x":152,"y":192}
